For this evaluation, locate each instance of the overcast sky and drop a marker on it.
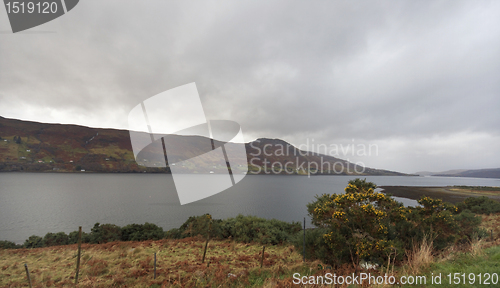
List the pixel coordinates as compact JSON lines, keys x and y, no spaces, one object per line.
{"x":418,"y":79}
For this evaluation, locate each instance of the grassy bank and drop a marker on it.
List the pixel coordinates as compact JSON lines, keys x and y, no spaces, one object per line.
{"x":466,"y":269}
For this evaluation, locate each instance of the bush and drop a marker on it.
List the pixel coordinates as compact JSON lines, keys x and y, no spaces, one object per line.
{"x":33,"y":242}
{"x":469,"y":226}
{"x":255,"y":229}
{"x":436,"y":219}
{"x":105,"y":233}
{"x":316,"y":246}
{"x":480,"y":205}
{"x":174,"y":233}
{"x":360,"y":223}
{"x":73,"y":237}
{"x":139,"y":232}
{"x":241,"y":228}
{"x":366,"y":225}
{"x":9,"y":244}
{"x":55,"y":239}
{"x":198,"y":225}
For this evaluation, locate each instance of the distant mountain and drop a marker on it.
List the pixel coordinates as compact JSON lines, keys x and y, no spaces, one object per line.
{"x":40,"y":147}
{"x":427,"y":173}
{"x":478,"y":173}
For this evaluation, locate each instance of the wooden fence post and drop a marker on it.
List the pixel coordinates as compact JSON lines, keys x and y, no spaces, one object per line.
{"x":79,"y":254}
{"x":27,"y":273}
{"x":206,"y":243}
{"x":304,"y":243}
{"x":155,"y":267}
{"x":262,"y":258}
{"x":205,"y":251}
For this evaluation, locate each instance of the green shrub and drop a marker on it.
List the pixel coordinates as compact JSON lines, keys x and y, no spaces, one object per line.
{"x":55,"y":239}
{"x":317,"y":247}
{"x":360,"y":223}
{"x":199,"y":225}
{"x":436,"y":219}
{"x":33,"y":242}
{"x":105,"y":233}
{"x":241,"y":228}
{"x":366,"y":225}
{"x":73,"y":237}
{"x":9,"y":244}
{"x":255,"y":229}
{"x":174,"y":233}
{"x":480,"y":205}
{"x":469,"y":226}
{"x":141,"y":232}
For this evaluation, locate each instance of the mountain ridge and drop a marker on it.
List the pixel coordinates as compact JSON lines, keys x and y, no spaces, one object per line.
{"x":47,"y":147}
{"x":474,"y":173}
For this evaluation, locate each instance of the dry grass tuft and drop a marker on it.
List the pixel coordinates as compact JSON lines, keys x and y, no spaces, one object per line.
{"x":476,"y":247}
{"x":97,"y":267}
{"x":420,"y":256}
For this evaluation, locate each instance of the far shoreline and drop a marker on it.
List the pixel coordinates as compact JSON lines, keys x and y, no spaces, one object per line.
{"x":452,"y":194}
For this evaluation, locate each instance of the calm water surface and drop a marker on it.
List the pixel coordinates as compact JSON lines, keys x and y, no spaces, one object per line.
{"x":37,"y":203}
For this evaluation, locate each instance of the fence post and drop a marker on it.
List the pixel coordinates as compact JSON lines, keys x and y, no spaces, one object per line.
{"x":262,"y":258}
{"x":155,"y":267}
{"x":79,"y":254}
{"x":205,"y":251}
{"x":304,"y":243}
{"x":206,"y":243}
{"x":27,"y":273}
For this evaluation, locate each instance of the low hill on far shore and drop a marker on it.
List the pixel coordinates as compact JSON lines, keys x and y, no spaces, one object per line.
{"x":476,"y":173}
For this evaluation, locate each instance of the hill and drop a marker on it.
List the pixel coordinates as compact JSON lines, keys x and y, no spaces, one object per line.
{"x":476,"y":173}
{"x":41,"y":147}
{"x":479,"y":173}
{"x":428,"y":173}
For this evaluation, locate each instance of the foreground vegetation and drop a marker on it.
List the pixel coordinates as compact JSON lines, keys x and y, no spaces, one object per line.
{"x":131,"y":264}
{"x":228,"y":264}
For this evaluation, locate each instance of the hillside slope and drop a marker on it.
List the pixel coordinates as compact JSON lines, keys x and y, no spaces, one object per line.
{"x":40,"y":147}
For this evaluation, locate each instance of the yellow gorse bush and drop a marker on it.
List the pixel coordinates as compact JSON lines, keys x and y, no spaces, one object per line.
{"x":365,"y":224}
{"x":364,"y":216}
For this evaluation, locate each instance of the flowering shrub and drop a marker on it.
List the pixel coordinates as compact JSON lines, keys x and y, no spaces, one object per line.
{"x":366,"y":225}
{"x":361,"y":222}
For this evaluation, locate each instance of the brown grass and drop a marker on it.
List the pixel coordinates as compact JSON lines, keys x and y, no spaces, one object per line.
{"x":476,"y":247}
{"x":420,"y":257}
{"x":131,"y":264}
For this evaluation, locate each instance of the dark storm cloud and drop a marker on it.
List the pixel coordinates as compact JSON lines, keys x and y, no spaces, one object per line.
{"x":411,"y":75}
